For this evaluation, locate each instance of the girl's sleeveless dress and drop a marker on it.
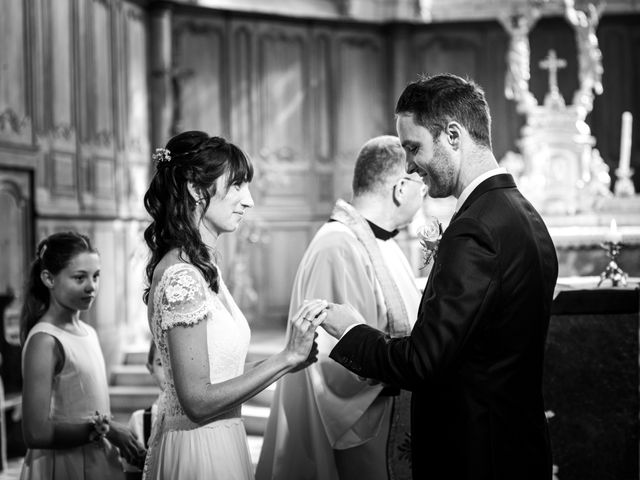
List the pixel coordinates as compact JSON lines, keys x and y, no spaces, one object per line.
{"x":79,"y":390}
{"x":179,"y":448}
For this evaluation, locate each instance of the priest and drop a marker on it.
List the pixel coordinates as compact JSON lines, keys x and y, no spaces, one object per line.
{"x":326,"y":422}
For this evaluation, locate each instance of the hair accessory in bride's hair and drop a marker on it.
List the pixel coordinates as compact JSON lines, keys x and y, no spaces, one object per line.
{"x":161,"y":155}
{"x":42,"y":250}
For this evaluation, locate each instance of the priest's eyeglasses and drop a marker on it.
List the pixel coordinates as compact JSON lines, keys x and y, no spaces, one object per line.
{"x":413,"y":180}
{"x":423,"y":187}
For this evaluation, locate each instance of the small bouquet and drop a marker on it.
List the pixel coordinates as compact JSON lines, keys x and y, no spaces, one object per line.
{"x":429,"y":235}
{"x":100,"y":427}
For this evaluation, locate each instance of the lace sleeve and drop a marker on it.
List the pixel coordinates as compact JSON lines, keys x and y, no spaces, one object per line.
{"x":184,"y":299}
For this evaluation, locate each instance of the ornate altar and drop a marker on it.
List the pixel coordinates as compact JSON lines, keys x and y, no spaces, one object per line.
{"x":559,"y":169}
{"x":593,"y":331}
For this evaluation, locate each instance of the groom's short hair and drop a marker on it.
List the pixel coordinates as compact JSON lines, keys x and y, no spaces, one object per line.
{"x":379,"y":160}
{"x":437,"y":100}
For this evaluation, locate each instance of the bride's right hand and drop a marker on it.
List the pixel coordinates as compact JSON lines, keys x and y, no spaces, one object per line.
{"x":302,"y":332}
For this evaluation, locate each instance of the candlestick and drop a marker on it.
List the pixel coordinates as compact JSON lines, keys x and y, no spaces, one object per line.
{"x":625,"y":142}
{"x":624,"y":185}
{"x":613,"y":235}
{"x":613,"y":272}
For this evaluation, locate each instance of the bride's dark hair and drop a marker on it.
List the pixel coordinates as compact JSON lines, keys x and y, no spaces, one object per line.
{"x":190,"y":158}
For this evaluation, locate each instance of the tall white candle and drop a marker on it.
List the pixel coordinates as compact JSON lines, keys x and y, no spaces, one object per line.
{"x":613,"y":235}
{"x":625,"y":142}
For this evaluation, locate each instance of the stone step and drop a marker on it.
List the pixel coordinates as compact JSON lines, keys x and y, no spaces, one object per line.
{"x":136,"y":357}
{"x":264,"y":344}
{"x":126,"y":399}
{"x":130,"y":375}
{"x":129,"y":398}
{"x":133,"y":397}
{"x":255,"y":419}
{"x":264,"y":398}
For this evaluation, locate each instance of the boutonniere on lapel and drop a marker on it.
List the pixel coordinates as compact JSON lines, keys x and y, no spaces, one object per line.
{"x":429,"y":235}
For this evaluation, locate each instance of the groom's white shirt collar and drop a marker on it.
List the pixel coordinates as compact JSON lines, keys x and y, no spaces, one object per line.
{"x":477,"y":181}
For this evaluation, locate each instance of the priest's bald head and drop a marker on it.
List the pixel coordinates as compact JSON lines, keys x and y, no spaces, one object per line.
{"x":383,"y":192}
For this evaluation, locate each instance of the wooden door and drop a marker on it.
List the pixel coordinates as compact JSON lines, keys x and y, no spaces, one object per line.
{"x":16,"y":245}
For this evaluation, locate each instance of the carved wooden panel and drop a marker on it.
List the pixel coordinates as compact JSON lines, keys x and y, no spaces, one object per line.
{"x":477,"y":52}
{"x":282,"y":73}
{"x":136,"y":92}
{"x":451,"y":52}
{"x":96,"y":151}
{"x":100,"y":75}
{"x":200,"y":76}
{"x":56,"y":181}
{"x":321,"y":90}
{"x":286,"y":245}
{"x":102,"y":176}
{"x":242,"y":91}
{"x":136,"y":158}
{"x":82,"y":70}
{"x":16,"y":232}
{"x":57,"y":176}
{"x":15,"y":119}
{"x":406,"y":11}
{"x":326,"y":196}
{"x":86,"y":102}
{"x":63,"y":174}
{"x":58,"y":78}
{"x":284,"y":152}
{"x":361,"y":107}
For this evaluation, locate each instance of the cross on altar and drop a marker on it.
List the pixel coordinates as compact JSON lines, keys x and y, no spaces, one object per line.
{"x":552,"y":63}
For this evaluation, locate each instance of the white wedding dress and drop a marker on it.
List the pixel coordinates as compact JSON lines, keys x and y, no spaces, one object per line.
{"x":178,"y":448}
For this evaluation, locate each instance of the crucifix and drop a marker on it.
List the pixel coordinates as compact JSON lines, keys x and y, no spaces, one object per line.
{"x":552,"y":63}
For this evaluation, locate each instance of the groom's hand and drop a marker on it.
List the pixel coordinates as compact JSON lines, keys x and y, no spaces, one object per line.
{"x":339,"y":318}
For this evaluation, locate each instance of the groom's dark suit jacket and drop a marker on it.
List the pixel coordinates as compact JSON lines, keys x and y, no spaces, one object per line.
{"x":474,"y":359}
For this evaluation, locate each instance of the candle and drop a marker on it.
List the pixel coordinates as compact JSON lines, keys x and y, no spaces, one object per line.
{"x":625,"y":142}
{"x":613,"y":235}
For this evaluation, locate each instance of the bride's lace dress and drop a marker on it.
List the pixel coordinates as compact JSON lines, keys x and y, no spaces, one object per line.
{"x":178,"y":448}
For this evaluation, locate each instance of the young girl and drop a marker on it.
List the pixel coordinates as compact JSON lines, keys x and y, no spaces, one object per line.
{"x":65,"y":397}
{"x":201,"y":333}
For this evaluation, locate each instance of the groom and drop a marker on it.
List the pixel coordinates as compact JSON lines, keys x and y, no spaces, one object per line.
{"x":474,"y":358}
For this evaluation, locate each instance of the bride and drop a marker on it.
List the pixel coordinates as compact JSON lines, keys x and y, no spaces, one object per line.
{"x":199,"y":330}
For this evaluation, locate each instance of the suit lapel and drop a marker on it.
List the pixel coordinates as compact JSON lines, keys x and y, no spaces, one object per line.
{"x":503,"y":180}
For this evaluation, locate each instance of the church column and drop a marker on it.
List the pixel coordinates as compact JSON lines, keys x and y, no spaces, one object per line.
{"x":160,"y":20}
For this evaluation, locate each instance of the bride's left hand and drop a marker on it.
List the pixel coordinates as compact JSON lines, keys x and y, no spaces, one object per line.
{"x":300,"y":343}
{"x":312,"y":358}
